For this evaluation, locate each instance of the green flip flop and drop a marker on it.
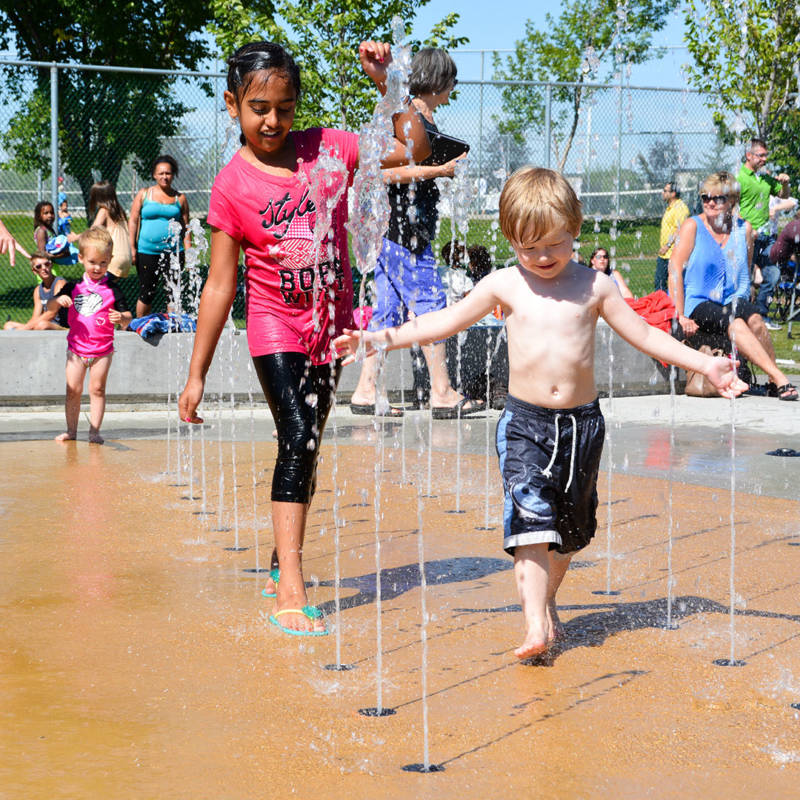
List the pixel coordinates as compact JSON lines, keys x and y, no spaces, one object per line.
{"x":310,"y":612}
{"x":275,"y":574}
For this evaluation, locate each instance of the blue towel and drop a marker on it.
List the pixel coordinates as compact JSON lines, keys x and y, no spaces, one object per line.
{"x":153,"y":324}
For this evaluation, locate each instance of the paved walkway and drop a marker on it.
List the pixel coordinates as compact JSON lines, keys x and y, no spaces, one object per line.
{"x":136,"y":658}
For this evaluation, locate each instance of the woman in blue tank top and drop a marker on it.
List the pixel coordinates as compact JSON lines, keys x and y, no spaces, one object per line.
{"x":710,"y":279}
{"x":152,"y":242}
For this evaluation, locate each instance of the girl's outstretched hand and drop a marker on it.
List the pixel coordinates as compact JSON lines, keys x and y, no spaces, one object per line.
{"x":722,"y":373}
{"x":189,"y":400}
{"x":375,"y":57}
{"x":347,"y":345}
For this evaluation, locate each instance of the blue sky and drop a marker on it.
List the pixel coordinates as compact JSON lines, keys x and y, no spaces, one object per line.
{"x":498,"y":23}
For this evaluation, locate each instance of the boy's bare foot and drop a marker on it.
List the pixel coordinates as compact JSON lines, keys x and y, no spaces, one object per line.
{"x":65,"y":437}
{"x":96,"y":438}
{"x":537,"y":640}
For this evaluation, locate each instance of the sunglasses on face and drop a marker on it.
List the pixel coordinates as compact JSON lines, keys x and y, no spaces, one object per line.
{"x":43,"y":264}
{"x":718,"y":199}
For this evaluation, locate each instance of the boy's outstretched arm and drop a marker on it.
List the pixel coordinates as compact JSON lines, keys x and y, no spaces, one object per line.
{"x":658,"y":344}
{"x":427,"y":328}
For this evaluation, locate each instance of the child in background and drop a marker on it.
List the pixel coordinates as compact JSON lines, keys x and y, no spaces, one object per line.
{"x":44,"y":217}
{"x":550,"y":436}
{"x":95,"y":306}
{"x":64,"y":218}
{"x":260,"y":203}
{"x":42,"y":319}
{"x":107,"y":212}
{"x":44,"y":234}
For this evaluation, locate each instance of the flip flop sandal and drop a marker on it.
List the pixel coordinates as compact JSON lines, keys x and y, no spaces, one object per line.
{"x":787,"y":392}
{"x":458,"y":410}
{"x":369,"y":410}
{"x":309,"y":612}
{"x":275,"y":574}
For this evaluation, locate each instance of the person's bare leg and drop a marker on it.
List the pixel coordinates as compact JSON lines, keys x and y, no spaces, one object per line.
{"x":442,"y":393}
{"x":759,"y":330}
{"x":559,"y":564}
{"x":364,"y":393}
{"x":98,"y":375}
{"x":748,"y":337}
{"x":75,"y":373}
{"x":14,"y":326}
{"x":289,"y":524}
{"x":532,"y":573}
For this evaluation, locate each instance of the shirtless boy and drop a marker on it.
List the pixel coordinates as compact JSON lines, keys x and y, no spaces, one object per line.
{"x":550,"y":435}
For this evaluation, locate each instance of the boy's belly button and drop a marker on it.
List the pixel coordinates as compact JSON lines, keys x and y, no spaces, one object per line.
{"x":554,"y":391}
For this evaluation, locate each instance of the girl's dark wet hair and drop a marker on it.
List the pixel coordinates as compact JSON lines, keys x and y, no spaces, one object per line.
{"x":433,"y":71}
{"x":165,"y":160}
{"x":37,"y":214}
{"x":255,"y":57}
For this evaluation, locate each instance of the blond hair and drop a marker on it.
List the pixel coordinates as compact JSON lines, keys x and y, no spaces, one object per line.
{"x":722,"y":183}
{"x":534,"y":202}
{"x":96,"y":237}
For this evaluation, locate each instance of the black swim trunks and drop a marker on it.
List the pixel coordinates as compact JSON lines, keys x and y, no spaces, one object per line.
{"x":549,"y":460}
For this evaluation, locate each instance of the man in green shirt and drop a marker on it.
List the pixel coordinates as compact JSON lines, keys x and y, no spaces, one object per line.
{"x":754,"y":207}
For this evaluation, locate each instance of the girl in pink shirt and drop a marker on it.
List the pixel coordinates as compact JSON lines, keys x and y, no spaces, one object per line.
{"x":298,"y":300}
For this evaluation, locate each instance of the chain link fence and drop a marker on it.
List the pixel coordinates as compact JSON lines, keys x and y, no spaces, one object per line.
{"x":62,"y":127}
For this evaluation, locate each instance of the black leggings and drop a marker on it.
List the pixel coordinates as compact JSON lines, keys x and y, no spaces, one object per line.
{"x":300,"y":396}
{"x":153,"y":270}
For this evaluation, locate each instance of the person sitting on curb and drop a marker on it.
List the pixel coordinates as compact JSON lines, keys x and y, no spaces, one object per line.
{"x":42,"y":319}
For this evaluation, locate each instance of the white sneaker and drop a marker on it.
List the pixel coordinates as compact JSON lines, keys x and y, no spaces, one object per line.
{"x":772,"y":326}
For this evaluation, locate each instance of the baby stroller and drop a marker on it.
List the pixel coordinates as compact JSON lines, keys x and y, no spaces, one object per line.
{"x":785,"y":304}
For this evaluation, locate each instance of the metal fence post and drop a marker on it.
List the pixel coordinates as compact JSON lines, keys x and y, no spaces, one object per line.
{"x":619,"y":144}
{"x":54,"y":135}
{"x":480,"y":140}
{"x":547,"y":123}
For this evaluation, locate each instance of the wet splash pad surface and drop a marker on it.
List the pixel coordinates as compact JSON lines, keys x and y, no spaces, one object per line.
{"x":137,"y":659}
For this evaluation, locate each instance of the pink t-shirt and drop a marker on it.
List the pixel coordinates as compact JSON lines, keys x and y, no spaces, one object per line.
{"x":273,"y":218}
{"x":91,"y":333}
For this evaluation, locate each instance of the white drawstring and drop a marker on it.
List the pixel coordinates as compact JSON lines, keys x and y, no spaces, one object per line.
{"x":548,"y":471}
{"x":572,"y":457}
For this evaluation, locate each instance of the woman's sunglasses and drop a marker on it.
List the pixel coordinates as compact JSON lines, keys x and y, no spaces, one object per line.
{"x":718,"y":199}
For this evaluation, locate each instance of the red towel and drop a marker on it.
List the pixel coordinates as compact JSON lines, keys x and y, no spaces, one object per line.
{"x":656,"y":309}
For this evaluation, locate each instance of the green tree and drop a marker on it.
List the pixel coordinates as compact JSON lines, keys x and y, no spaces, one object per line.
{"x":103,"y":117}
{"x":745,"y":55}
{"x":573,"y":49}
{"x":324,"y":35}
